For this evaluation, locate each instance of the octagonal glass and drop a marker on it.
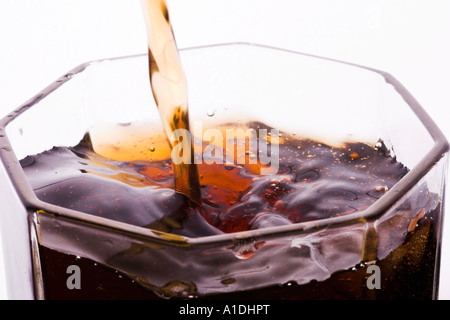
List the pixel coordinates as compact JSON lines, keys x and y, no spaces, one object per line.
{"x":306,"y":96}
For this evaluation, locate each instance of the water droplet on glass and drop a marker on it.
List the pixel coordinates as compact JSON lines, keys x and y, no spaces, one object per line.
{"x":211,"y":113}
{"x":289,"y":284}
{"x":177,"y":288}
{"x":244,"y":249}
{"x":152,"y":149}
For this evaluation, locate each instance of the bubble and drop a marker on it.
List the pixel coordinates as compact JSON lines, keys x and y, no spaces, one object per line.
{"x":378,"y":192}
{"x":211,"y":113}
{"x":354,"y":155}
{"x":307,"y":175}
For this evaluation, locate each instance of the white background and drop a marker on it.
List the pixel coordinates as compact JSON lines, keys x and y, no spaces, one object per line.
{"x":41,"y":40}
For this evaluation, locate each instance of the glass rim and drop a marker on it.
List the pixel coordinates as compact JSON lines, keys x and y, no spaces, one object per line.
{"x":33,"y":204}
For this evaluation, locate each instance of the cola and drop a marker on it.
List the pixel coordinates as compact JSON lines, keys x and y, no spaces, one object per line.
{"x":314,"y":181}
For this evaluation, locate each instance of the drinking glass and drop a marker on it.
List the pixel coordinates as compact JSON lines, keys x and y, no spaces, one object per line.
{"x":301,"y":94}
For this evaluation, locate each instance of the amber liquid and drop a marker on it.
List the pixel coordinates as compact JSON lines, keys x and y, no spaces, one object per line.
{"x":169,"y":87}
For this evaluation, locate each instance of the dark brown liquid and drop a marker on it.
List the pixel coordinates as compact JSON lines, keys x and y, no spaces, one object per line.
{"x":314,"y":181}
{"x":407,"y":273}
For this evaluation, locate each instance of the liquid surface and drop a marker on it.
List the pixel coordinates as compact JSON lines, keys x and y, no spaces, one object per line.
{"x":314,"y":181}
